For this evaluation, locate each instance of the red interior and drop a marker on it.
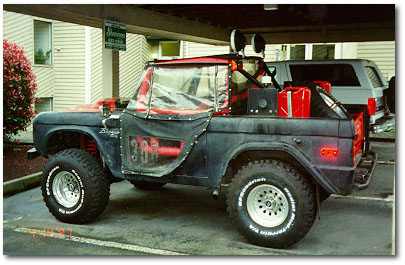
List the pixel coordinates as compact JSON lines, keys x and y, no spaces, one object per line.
{"x":359,"y":134}
{"x":161,"y":150}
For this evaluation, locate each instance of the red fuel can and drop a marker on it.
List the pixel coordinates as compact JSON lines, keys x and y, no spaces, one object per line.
{"x":294,"y":102}
{"x":325,"y":85}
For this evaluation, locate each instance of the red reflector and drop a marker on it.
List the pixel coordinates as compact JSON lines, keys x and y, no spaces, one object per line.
{"x":372,"y":106}
{"x":329,"y":152}
{"x":234,"y":66}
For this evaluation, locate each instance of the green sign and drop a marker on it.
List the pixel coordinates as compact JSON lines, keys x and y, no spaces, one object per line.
{"x":115,"y":35}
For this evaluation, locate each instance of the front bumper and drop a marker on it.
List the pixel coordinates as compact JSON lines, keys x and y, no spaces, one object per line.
{"x":384,"y":124}
{"x":32,"y":154}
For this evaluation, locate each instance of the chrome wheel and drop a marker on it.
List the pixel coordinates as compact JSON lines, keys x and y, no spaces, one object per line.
{"x":66,"y":189}
{"x":267,"y":205}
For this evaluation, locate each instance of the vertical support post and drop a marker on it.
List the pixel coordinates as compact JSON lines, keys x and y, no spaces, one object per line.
{"x":116,"y":74}
{"x":110,"y":71}
{"x":87,"y":77}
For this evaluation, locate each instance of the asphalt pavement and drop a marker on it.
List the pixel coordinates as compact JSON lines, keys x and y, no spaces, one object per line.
{"x":178,"y":220}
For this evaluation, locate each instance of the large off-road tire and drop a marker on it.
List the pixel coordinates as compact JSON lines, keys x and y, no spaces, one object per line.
{"x":271,"y":203}
{"x":74,"y":186}
{"x":147,"y":185}
{"x":325,"y":105}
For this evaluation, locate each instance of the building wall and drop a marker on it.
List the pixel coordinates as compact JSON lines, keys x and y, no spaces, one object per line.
{"x":132,"y":62}
{"x":96,"y":65}
{"x":69,"y":68}
{"x":192,"y":49}
{"x":24,"y":38}
{"x":382,"y":53}
{"x":64,"y":80}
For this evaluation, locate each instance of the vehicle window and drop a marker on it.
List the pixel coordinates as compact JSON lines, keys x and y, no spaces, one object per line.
{"x":373,"y":76}
{"x":181,"y":90}
{"x":336,"y":74}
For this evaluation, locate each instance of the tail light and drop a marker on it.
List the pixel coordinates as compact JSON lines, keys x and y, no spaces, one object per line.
{"x":329,"y":152}
{"x":372,"y":106}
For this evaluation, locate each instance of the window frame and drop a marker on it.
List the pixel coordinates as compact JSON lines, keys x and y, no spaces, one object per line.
{"x":171,"y":57}
{"x":52,"y":42}
{"x":309,"y":48}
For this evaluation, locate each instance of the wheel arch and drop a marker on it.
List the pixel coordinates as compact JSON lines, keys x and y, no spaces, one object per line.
{"x":281,"y":151}
{"x":59,"y":138}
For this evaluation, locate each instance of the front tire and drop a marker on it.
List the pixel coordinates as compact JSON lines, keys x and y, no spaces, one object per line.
{"x":271,"y":203}
{"x":74,"y":186}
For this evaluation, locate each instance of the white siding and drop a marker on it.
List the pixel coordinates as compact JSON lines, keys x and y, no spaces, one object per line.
{"x":192,"y":49}
{"x":96,"y":65}
{"x":132,"y":62}
{"x":45,"y":80}
{"x":18,"y":28}
{"x":382,"y":53}
{"x":69,"y":90}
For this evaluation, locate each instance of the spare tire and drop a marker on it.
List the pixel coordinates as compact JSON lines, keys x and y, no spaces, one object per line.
{"x":325,"y":105}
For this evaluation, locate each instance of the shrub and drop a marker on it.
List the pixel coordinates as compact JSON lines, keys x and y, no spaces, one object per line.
{"x":19,"y":89}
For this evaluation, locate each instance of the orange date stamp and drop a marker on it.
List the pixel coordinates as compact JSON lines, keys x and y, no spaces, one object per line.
{"x":57,"y":233}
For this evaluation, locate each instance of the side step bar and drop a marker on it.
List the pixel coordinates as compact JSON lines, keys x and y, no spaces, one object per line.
{"x":364,"y":171}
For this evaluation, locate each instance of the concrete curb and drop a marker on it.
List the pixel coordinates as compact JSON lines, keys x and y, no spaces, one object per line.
{"x":21,"y":184}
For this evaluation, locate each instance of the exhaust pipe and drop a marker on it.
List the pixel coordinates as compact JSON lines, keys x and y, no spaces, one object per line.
{"x":215,"y":193}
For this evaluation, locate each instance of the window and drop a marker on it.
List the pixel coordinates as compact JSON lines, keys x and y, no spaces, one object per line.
{"x":169,"y":49}
{"x":373,"y":76}
{"x":42,"y":42}
{"x":297,"y":52}
{"x":44,"y":105}
{"x":312,"y":52}
{"x":323,"y":52}
{"x":336,"y":74}
{"x":181,"y":90}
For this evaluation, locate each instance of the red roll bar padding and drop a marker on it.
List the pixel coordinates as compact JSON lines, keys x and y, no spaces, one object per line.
{"x":161,"y":150}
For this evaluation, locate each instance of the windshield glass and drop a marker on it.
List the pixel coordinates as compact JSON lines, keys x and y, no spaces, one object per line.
{"x":181,"y":90}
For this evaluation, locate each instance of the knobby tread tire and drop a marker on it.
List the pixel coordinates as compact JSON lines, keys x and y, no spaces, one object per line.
{"x":96,"y":185}
{"x":320,"y":109}
{"x":298,"y":184}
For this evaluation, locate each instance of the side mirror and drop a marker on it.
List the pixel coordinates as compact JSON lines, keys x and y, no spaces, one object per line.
{"x":105,"y":110}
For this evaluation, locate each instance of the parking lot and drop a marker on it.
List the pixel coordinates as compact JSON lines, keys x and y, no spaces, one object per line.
{"x":186,"y":220}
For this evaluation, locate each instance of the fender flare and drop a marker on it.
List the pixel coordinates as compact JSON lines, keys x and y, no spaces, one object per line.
{"x":90,"y":132}
{"x":288,"y":148}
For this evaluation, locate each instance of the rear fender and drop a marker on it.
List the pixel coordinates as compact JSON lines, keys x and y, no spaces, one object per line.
{"x":290,"y":150}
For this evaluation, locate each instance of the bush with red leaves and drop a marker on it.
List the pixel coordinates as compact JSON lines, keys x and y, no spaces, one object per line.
{"x":19,"y":89}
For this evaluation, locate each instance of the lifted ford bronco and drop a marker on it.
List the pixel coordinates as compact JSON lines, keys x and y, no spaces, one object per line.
{"x":208,"y":122}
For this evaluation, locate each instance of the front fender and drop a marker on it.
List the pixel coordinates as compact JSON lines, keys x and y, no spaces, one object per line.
{"x":108,"y":146}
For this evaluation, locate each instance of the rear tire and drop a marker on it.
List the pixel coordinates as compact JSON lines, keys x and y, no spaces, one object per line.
{"x":271,"y":203}
{"x":75,"y":187}
{"x":147,"y":185}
